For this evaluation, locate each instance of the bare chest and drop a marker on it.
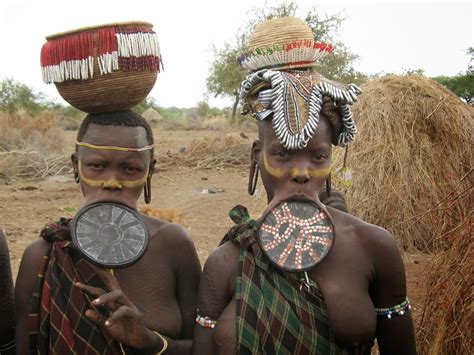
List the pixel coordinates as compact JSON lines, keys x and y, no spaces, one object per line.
{"x":344,"y":280}
{"x":152,"y":290}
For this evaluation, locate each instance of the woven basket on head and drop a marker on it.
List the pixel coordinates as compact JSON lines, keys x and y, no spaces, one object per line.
{"x":103,"y":68}
{"x":282,"y":43}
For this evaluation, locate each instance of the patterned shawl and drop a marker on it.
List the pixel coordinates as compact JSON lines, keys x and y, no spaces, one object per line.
{"x":57,"y":322}
{"x":274,"y":315}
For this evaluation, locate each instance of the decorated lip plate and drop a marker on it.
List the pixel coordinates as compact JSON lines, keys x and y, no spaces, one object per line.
{"x":110,"y":235}
{"x":296,"y":235}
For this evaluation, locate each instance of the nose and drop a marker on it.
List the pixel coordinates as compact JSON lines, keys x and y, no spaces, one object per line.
{"x":299,"y":176}
{"x":112,"y":185}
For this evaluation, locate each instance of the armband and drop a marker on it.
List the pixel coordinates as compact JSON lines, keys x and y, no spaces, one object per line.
{"x":397,"y":310}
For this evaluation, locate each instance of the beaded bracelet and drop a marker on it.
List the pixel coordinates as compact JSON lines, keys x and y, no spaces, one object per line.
{"x":397,"y":310}
{"x":205,"y":322}
{"x":165,"y":343}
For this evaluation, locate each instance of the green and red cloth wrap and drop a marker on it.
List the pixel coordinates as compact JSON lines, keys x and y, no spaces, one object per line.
{"x":273,"y":315}
{"x":57,"y":323}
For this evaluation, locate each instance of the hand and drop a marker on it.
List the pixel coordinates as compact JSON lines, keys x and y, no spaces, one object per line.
{"x":114,"y":311}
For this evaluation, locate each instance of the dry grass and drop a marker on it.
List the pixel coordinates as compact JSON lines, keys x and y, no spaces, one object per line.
{"x":225,"y":151}
{"x":196,"y":124}
{"x":448,"y":310}
{"x":414,"y":146}
{"x":31,"y":147}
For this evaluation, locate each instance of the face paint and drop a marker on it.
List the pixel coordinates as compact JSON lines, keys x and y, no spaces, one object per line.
{"x":112,"y":184}
{"x":277,"y":172}
{"x":112,"y":147}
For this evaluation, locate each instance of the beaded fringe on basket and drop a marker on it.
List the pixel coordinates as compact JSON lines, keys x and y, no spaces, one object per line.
{"x":276,"y":56}
{"x":127,"y":49}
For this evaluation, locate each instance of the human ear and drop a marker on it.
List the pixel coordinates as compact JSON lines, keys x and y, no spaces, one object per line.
{"x":255,"y":152}
{"x":75,"y":166}
{"x":152,"y":168}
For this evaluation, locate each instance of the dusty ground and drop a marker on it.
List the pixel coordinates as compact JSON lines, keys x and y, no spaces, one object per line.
{"x":26,"y":206}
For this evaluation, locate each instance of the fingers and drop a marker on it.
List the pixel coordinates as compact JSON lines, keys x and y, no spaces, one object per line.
{"x":93,"y":291}
{"x":116,"y":296}
{"x":120,"y":313}
{"x":109,"y":279}
{"x":95,"y":316}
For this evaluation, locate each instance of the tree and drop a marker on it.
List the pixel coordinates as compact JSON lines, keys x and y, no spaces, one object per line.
{"x":462,"y":84}
{"x":15,"y":96}
{"x":226,"y":74}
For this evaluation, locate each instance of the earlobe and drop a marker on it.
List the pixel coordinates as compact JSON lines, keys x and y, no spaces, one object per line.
{"x":152,"y":167}
{"x":255,"y":153}
{"x":75,"y":163}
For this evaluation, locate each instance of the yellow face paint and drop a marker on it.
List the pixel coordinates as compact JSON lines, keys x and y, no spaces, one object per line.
{"x":277,"y":172}
{"x":112,"y":147}
{"x":112,"y":184}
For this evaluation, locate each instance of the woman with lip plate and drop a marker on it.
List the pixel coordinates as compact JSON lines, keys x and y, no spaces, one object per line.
{"x":148,"y":307}
{"x":337,"y":283}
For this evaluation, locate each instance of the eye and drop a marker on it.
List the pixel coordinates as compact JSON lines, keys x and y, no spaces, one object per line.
{"x":319,"y":157}
{"x":282,"y":154}
{"x":131,"y":169}
{"x":96,"y":166}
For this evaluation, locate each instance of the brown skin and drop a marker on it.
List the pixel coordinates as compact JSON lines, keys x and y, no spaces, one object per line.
{"x":7,"y":301}
{"x":159,"y":292}
{"x":364,"y":269}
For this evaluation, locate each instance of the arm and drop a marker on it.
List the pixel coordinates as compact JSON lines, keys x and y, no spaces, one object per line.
{"x":7,"y":310}
{"x":26,"y":283}
{"x":188,"y":274}
{"x":215,"y":292}
{"x":395,"y":335}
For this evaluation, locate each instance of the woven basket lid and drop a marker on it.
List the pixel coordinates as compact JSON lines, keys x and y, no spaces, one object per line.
{"x":282,"y":43}
{"x":282,"y":31}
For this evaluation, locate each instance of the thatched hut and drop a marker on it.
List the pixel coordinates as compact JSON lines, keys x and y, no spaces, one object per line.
{"x":413,"y":152}
{"x":152,"y":116}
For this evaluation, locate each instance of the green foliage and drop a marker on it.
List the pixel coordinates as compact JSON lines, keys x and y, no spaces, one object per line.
{"x":462,"y":85}
{"x":226,"y":74}
{"x":15,"y":96}
{"x":149,"y":102}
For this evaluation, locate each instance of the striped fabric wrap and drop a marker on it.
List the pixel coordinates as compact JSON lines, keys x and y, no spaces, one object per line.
{"x":71,"y":57}
{"x":57,"y":322}
{"x":274,"y":315}
{"x":278,"y":55}
{"x":294,"y":99}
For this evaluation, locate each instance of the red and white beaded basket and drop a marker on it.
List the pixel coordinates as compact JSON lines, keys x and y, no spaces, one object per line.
{"x":103,"y":68}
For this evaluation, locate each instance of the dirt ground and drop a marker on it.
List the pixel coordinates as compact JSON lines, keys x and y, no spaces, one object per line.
{"x":26,"y":206}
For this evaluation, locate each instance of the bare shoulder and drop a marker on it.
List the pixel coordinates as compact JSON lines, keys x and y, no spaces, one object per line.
{"x":376,"y":243}
{"x":173,"y":242}
{"x":36,"y":251}
{"x":223,"y":259}
{"x":370,"y":235}
{"x":172,"y":234}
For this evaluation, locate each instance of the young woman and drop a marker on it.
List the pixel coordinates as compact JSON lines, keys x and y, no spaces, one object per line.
{"x":148,"y":306}
{"x":353,"y":290}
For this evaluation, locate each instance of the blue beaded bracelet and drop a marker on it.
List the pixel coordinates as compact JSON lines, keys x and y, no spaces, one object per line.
{"x":397,"y":310}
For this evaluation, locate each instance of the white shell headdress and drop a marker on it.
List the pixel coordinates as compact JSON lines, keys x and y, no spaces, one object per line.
{"x":294,"y":100}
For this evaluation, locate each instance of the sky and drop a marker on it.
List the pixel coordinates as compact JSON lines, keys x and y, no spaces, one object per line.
{"x":388,"y":36}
